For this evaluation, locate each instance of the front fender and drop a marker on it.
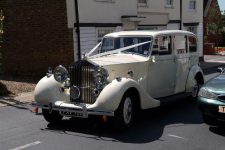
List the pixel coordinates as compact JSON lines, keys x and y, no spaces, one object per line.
{"x":192,"y":74}
{"x":49,"y":90}
{"x":111,"y":96}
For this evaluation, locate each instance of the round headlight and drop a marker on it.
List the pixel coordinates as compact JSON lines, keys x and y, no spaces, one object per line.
{"x":100,"y":76}
{"x":60,"y":74}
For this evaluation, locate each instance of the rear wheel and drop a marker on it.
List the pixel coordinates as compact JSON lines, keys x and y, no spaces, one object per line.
{"x":52,"y":117}
{"x":124,"y":115}
{"x":195,"y":89}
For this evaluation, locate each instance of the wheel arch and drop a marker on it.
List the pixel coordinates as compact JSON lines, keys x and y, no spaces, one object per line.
{"x":195,"y":73}
{"x":199,"y":77}
{"x":136,"y":95}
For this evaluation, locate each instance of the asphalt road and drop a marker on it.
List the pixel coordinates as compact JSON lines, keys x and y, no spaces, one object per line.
{"x":178,"y":126}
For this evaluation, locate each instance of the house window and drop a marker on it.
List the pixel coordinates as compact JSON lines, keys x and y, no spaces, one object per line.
{"x":142,"y":1}
{"x":192,"y":29}
{"x":169,"y":3}
{"x":101,"y":32}
{"x":192,"y":4}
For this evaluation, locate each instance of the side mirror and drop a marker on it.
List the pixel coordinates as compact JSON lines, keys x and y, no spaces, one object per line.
{"x":221,"y":69}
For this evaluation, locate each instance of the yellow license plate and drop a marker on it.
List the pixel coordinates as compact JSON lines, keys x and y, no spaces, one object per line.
{"x":222,"y":109}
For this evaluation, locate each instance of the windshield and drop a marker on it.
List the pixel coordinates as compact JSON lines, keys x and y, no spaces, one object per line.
{"x":110,"y":44}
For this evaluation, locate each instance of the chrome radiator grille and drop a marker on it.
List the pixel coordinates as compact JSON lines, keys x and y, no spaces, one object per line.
{"x":81,"y":75}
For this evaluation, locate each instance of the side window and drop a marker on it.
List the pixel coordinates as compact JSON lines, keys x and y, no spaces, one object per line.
{"x":192,"y":44}
{"x":165,"y":45}
{"x":180,"y":44}
{"x":155,"y":49}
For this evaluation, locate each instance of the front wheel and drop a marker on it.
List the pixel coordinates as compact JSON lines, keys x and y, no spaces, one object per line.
{"x":124,"y":115}
{"x":53,"y":117}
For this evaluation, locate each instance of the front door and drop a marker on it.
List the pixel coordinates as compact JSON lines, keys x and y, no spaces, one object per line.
{"x":162,"y":68}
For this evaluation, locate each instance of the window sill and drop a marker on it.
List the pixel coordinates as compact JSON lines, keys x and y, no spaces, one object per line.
{"x":142,"y":5}
{"x":106,"y":1}
{"x":169,"y":6}
{"x":192,"y":10}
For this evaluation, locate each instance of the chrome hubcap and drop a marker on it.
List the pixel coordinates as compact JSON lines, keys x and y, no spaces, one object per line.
{"x":127,"y":110}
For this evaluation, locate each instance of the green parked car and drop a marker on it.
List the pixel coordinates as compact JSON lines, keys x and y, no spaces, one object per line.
{"x":211,"y":99}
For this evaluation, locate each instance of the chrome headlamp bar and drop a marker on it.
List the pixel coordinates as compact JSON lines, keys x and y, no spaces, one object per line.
{"x":100,"y":76}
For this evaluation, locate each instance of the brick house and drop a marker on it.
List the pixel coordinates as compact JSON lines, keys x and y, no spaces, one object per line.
{"x":35,"y":36}
{"x":211,"y":7}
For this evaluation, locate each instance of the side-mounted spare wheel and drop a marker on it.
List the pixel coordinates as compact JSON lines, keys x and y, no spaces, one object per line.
{"x":124,"y":115}
{"x":52,"y":117}
{"x":195,"y":89}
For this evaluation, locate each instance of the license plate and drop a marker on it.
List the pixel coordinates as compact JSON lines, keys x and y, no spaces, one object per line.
{"x":79,"y":114}
{"x":222,"y":109}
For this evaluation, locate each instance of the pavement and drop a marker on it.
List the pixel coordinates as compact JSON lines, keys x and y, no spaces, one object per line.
{"x":22,"y":98}
{"x":209,"y":66}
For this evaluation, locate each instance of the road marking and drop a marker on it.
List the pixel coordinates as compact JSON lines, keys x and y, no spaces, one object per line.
{"x":175,"y":136}
{"x":26,"y":146}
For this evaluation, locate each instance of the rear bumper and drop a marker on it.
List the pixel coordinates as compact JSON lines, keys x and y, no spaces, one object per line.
{"x":211,"y":108}
{"x":73,"y":110}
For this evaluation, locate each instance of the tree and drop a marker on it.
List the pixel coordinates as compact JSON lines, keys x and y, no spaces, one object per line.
{"x":216,"y":23}
{"x":223,"y":21}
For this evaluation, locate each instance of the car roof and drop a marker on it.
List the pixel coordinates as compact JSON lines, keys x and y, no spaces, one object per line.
{"x":148,"y":33}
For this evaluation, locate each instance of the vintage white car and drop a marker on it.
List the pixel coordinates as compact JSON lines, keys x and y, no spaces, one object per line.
{"x":126,"y":72}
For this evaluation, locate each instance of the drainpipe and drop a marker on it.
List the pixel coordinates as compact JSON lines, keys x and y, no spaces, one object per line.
{"x":181,"y":13}
{"x":77,"y":25}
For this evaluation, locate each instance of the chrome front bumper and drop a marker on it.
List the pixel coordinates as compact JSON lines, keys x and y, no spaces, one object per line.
{"x":74,"y":110}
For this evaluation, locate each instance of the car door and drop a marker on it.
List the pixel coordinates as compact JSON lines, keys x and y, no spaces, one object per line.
{"x":182,"y":59}
{"x":162,"y":68}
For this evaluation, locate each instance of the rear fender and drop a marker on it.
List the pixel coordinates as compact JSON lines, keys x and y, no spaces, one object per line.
{"x":191,"y":77}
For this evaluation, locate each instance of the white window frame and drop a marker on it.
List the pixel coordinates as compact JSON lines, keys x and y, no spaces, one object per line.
{"x":169,"y":3}
{"x":192,"y":5}
{"x":151,"y":28}
{"x":142,"y":3}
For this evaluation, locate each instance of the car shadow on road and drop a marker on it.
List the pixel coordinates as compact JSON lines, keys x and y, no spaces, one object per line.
{"x":149,"y":125}
{"x":218,"y":130}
